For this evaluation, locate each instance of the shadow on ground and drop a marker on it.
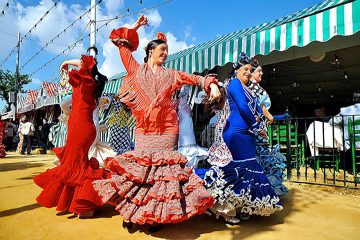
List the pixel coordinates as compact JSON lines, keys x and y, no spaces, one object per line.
{"x":19,"y":210}
{"x":30,"y":177}
{"x":205,"y":224}
{"x":5,"y":167}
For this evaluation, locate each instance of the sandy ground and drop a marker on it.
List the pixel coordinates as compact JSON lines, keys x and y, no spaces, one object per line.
{"x":310,"y":212}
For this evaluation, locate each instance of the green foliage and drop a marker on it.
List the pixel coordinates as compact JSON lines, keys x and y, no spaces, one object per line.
{"x":8,"y":83}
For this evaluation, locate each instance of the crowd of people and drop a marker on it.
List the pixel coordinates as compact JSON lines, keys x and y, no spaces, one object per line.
{"x":158,"y":180}
{"x":21,"y":136}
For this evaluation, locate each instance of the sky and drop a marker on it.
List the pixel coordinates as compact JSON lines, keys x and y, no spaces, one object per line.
{"x":186,"y":23}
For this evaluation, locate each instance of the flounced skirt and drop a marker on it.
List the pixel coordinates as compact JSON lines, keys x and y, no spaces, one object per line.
{"x":240,"y":187}
{"x":152,"y":183}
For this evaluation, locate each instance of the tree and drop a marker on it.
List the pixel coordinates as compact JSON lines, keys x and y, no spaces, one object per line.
{"x":8,"y":84}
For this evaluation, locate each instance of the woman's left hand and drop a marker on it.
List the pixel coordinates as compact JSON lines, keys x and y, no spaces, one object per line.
{"x":214,"y":93}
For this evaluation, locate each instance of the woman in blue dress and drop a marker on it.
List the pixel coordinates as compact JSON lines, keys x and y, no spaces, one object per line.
{"x":269,"y":157}
{"x":241,"y":188}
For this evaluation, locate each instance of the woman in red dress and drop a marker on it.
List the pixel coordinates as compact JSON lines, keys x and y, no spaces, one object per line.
{"x":68,"y":187}
{"x":151,"y":184}
{"x":2,"y":137}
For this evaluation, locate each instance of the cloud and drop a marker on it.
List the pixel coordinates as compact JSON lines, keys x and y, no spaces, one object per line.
{"x":21,"y":17}
{"x":154,"y":18}
{"x":113,"y":6}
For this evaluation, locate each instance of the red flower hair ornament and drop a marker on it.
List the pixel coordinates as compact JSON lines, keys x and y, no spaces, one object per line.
{"x":161,"y":36}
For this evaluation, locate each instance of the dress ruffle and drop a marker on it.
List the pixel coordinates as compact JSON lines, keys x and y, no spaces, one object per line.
{"x":193,"y":154}
{"x":143,"y":192}
{"x":130,"y":36}
{"x":273,"y":163}
{"x":67,"y":189}
{"x":241,"y":187}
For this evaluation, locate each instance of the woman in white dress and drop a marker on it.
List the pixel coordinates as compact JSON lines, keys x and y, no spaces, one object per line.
{"x":187,"y":142}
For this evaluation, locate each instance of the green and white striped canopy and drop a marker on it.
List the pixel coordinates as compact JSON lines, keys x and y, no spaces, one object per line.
{"x":318,"y":23}
{"x":112,"y":86}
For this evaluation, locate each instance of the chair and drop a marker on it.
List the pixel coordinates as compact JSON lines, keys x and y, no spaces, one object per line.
{"x":354,"y":137}
{"x":277,"y":135}
{"x":323,"y":140}
{"x":328,"y":156}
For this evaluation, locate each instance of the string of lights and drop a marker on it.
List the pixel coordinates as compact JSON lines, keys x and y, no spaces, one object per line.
{"x":31,"y":29}
{"x":97,"y":29}
{"x":73,"y":46}
{"x":58,"y":35}
{"x":4,"y":9}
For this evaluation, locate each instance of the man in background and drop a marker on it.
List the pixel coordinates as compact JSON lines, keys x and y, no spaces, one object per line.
{"x":27,"y":130}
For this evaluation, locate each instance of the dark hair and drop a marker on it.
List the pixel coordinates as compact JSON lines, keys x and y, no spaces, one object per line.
{"x":151,"y":45}
{"x":99,"y":80}
{"x":254,"y":63}
{"x":243,"y":60}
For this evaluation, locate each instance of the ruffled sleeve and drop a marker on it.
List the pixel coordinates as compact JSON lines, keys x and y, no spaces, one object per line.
{"x":203,"y":82}
{"x":83,"y":75}
{"x":127,"y":40}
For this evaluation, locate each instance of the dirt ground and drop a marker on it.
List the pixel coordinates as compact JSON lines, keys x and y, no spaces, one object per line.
{"x":310,"y":212}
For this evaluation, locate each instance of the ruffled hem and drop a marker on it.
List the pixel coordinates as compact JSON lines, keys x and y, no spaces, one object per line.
{"x":129,"y":35}
{"x":127,"y":165}
{"x":273,"y":163}
{"x":2,"y":151}
{"x":155,"y":193}
{"x":68,"y":189}
{"x":241,"y":187}
{"x":193,"y":154}
{"x":153,"y":157}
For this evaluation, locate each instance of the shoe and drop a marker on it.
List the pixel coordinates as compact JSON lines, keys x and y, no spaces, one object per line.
{"x":129,"y":226}
{"x":65,"y":212}
{"x":244,"y":216}
{"x":28,"y":153}
{"x":88,"y":214}
{"x":22,"y":153}
{"x":232,"y":221}
{"x":155,"y":228}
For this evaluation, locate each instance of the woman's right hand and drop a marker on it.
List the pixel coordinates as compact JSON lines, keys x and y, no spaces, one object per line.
{"x":64,"y":67}
{"x":141,"y":21}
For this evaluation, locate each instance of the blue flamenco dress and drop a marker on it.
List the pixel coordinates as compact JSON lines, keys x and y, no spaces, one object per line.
{"x":269,"y":157}
{"x":241,"y":186}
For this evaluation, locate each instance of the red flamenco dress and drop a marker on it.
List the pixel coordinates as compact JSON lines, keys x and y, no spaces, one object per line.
{"x":69,"y":185}
{"x":2,"y":137}
{"x":151,"y":184}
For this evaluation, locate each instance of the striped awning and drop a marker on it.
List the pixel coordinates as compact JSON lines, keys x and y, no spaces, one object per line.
{"x":318,"y":23}
{"x":112,"y":86}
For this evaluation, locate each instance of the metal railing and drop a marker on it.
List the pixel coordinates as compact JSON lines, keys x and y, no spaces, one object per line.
{"x":318,"y":150}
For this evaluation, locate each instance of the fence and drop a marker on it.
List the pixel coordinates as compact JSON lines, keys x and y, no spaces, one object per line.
{"x":323,"y":151}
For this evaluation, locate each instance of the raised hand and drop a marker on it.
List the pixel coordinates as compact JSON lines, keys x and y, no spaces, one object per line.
{"x":141,"y":21}
{"x":64,"y":67}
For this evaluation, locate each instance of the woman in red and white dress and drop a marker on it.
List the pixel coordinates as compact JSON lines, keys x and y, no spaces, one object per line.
{"x":151,"y":184}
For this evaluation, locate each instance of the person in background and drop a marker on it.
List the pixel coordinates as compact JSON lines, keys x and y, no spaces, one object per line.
{"x":44,"y":134}
{"x":346,"y":113}
{"x":187,"y":143}
{"x":27,"y":130}
{"x":269,"y":157}
{"x":20,"y":135}
{"x":2,"y":137}
{"x":10,"y":135}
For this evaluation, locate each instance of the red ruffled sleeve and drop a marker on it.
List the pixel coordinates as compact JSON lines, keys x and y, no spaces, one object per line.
{"x":127,"y":40}
{"x":83,"y":75}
